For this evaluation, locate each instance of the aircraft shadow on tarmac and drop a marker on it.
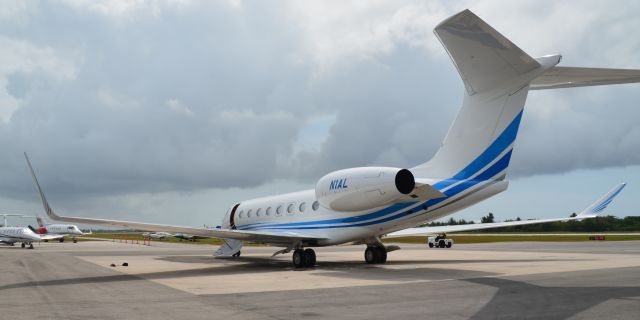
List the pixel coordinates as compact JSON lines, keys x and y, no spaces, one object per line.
{"x":521,"y":300}
{"x":253,"y":265}
{"x":513,"y":299}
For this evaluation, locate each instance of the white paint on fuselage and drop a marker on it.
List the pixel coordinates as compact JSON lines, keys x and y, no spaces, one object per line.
{"x":63,"y":229}
{"x":252,"y":215}
{"x":17,"y":234}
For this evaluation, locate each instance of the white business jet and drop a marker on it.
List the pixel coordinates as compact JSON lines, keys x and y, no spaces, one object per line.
{"x":157,"y":235}
{"x":60,"y":230}
{"x":26,"y":235}
{"x":362,"y":205}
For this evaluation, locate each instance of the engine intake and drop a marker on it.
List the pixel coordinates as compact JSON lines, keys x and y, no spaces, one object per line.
{"x":363,"y":188}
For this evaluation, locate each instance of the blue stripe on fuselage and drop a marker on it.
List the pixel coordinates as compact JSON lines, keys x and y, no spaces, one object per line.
{"x":493,"y":151}
{"x":504,"y":140}
{"x":491,"y":172}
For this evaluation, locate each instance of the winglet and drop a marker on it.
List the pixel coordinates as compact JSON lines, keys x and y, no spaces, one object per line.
{"x":45,"y":203}
{"x":598,"y":206}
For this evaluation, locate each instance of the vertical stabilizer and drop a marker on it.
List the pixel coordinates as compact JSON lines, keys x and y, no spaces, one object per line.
{"x":496,"y":74}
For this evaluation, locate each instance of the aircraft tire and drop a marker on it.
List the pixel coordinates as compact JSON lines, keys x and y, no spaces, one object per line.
{"x":441,"y":244}
{"x":381,"y":255}
{"x":299,"y":258}
{"x":75,"y":240}
{"x":23,"y":245}
{"x":30,"y":245}
{"x":310,"y":258}
{"x":61,"y":239}
{"x":449,"y":244}
{"x":370,"y":255}
{"x":237,"y":254}
{"x":430,"y":245}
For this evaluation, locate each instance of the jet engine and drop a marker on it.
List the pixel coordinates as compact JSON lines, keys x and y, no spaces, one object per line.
{"x":363,"y":188}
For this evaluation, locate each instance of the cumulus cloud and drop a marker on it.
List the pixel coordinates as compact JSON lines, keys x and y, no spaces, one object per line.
{"x":118,"y":98}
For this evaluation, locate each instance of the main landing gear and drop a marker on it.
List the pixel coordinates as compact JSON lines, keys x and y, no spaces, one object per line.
{"x":304,"y":258}
{"x":24,"y":245}
{"x":375,"y":255}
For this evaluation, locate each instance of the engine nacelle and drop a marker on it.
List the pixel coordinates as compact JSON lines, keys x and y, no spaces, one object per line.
{"x":363,"y":188}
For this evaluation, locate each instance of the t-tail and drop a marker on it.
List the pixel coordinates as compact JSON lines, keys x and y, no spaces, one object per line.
{"x":497,"y":76}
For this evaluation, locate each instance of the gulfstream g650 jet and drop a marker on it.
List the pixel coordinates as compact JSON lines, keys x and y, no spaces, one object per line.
{"x":362,"y":205}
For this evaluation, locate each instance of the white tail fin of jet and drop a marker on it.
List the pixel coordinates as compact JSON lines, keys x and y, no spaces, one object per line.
{"x":497,"y":76}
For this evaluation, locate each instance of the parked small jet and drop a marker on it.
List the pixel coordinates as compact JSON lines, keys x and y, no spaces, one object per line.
{"x":157,"y":235}
{"x":188,"y":237}
{"x":61,"y":230}
{"x":362,"y":205}
{"x":25,"y":235}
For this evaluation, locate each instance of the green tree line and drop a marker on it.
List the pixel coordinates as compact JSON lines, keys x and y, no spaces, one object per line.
{"x":598,"y":224}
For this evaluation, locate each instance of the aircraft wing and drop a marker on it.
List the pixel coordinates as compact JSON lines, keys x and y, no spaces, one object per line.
{"x":51,"y":236}
{"x":590,"y":212}
{"x":568,"y":77}
{"x":276,"y":237}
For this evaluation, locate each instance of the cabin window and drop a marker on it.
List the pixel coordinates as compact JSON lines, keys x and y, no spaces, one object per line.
{"x":268,"y":212}
{"x":302,"y":207}
{"x":240,"y":214}
{"x":258,"y":212}
{"x":279,"y":210}
{"x":249,"y":213}
{"x":315,"y":205}
{"x":290,"y":208}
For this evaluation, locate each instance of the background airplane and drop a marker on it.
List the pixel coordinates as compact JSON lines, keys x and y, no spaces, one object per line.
{"x":60,"y":230}
{"x":25,"y":235}
{"x":188,"y":237}
{"x":157,"y":235}
{"x":362,"y":205}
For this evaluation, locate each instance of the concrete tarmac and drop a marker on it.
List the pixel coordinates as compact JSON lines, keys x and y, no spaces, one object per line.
{"x":566,"y":280}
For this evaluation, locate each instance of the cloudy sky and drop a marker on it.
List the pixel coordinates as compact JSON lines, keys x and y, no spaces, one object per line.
{"x":171,"y":111}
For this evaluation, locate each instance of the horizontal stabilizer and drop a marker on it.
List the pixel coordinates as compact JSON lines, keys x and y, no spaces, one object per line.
{"x":484,"y":58}
{"x":568,"y":77}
